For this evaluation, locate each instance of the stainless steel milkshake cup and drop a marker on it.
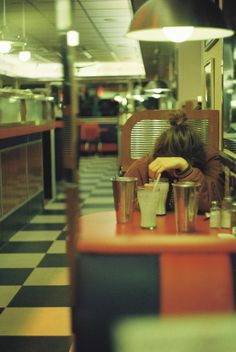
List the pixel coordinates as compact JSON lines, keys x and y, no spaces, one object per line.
{"x":186,"y":197}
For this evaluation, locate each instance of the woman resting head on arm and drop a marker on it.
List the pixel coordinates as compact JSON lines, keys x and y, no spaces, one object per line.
{"x":180,"y":155}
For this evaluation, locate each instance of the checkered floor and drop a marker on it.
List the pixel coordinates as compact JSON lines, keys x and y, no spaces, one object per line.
{"x":34,"y":286}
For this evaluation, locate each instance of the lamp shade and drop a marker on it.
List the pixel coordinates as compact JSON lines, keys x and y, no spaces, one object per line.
{"x":5,"y":46}
{"x":24,"y":55}
{"x":162,"y":20}
{"x":156,"y":86}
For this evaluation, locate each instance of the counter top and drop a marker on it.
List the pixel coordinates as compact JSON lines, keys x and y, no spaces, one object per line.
{"x":24,"y":128}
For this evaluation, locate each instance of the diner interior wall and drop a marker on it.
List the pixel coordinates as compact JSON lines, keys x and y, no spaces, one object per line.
{"x":214,"y":55}
{"x":189,"y":71}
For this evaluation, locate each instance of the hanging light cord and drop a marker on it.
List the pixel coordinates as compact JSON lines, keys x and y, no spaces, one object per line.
{"x":24,"y":54}
{"x":4,"y":14}
{"x":23,"y":20}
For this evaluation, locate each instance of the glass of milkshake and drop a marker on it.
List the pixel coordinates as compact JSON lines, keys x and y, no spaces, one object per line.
{"x":147,"y":199}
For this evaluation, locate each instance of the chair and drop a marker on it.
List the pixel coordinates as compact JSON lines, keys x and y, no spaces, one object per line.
{"x":142,"y":128}
{"x":90,"y":136}
{"x":98,"y":138}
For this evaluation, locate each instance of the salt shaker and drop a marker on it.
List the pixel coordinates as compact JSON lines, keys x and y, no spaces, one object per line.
{"x":226,"y":212}
{"x":215,"y":214}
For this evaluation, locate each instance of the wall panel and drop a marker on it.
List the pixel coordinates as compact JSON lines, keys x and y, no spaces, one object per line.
{"x":35,"y":168}
{"x":14,"y":178}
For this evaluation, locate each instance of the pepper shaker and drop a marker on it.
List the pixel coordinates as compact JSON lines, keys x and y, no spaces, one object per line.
{"x":215,"y":214}
{"x":226,"y":212}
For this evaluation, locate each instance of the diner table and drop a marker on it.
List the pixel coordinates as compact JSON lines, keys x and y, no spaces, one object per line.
{"x":124,"y":270}
{"x":100,"y":232}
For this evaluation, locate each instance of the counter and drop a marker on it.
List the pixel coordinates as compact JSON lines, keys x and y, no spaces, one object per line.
{"x":23,"y":163}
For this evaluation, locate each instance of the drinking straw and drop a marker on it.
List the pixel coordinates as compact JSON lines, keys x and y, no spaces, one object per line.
{"x":156,"y":182}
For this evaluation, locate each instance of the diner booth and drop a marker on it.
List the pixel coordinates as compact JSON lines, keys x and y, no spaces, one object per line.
{"x":120,"y":273}
{"x":127,"y":279}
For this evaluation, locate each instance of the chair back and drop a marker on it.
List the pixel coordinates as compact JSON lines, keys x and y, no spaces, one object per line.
{"x":89,"y":132}
{"x":140,"y":131}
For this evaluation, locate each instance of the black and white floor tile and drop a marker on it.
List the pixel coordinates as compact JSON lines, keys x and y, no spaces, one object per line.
{"x":34,"y":280}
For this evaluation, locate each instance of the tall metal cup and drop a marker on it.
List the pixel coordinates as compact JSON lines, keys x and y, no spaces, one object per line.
{"x":186,"y":197}
{"x":124,"y":192}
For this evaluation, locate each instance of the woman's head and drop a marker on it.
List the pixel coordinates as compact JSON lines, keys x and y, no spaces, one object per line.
{"x":180,"y":140}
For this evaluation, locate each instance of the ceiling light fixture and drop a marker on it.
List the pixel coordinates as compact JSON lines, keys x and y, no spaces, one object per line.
{"x":5,"y":45}
{"x":24,"y":55}
{"x":178,"y":21}
{"x":72,"y":38}
{"x":87,"y":54}
{"x":156,"y":86}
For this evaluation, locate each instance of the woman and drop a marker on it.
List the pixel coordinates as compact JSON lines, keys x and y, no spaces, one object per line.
{"x":180,"y":155}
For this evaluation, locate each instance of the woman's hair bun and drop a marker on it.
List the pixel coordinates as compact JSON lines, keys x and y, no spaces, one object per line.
{"x":178,"y":118}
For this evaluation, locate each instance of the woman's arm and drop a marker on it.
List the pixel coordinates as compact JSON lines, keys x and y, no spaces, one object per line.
{"x":139,"y":169}
{"x":211,"y":180}
{"x":211,"y":177}
{"x":161,"y":164}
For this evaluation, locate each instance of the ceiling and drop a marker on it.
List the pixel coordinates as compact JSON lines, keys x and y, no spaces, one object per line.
{"x":102,"y":25}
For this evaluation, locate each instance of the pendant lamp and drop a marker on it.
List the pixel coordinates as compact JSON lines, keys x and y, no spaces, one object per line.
{"x":156,"y":86}
{"x":5,"y":42}
{"x":178,"y":21}
{"x":24,"y":55}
